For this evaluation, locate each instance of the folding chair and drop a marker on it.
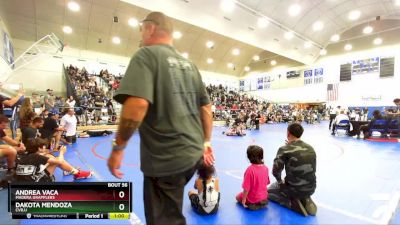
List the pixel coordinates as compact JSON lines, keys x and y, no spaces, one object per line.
{"x":343,"y":127}
{"x":380,"y":126}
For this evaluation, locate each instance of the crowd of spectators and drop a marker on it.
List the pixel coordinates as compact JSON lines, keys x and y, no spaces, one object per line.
{"x":25,"y":152}
{"x":94,"y":100}
{"x":242,"y":111}
{"x":113,"y":81}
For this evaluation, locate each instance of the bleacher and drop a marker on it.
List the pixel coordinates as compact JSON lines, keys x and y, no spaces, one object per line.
{"x":94,"y":96}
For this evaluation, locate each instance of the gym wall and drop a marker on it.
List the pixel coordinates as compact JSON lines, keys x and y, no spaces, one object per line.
{"x":4,"y":65}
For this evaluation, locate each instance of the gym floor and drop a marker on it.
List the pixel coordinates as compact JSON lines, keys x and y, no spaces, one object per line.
{"x":357,"y":180}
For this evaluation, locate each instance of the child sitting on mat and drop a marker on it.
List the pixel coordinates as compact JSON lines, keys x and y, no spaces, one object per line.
{"x":39,"y":166}
{"x":255,"y":182}
{"x":205,"y":200}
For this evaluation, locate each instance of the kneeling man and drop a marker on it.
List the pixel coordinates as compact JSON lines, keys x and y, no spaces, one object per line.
{"x":299,"y":161}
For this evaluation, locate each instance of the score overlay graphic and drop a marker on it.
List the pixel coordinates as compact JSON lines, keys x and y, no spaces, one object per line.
{"x":63,"y":200}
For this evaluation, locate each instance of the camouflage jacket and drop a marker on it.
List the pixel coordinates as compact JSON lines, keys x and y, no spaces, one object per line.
{"x":299,"y":161}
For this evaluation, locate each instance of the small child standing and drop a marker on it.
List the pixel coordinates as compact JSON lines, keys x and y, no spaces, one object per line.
{"x":256,"y":180}
{"x":205,"y":200}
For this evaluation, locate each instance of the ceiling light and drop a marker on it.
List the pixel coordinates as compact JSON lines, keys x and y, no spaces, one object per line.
{"x":210,"y":44}
{"x":307,"y":44}
{"x":288,"y":35}
{"x":235,"y":51}
{"x":246,"y":68}
{"x":335,"y":38}
{"x":318,"y":25}
{"x":227,"y":5}
{"x":73,"y":6}
{"x":348,"y":47}
{"x":368,"y":30}
{"x":230,"y":65}
{"x":323,"y":52}
{"x":273,"y":62}
{"x":133,"y":22}
{"x":116,"y":40}
{"x":262,"y":22}
{"x":378,"y":41}
{"x":294,"y":10}
{"x":354,"y":15}
{"x":256,"y":58}
{"x":67,"y":29}
{"x":176,"y":35}
{"x":185,"y":55}
{"x":210,"y":60}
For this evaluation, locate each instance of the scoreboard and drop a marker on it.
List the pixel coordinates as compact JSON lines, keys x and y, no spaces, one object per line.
{"x":65,"y":200}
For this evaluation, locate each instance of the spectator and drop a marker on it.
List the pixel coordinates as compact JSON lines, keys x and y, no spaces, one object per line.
{"x":358,"y":114}
{"x":332,"y":115}
{"x":44,"y":113}
{"x":9,"y":102}
{"x":11,"y":147}
{"x":10,"y":153}
{"x":364,"y":115}
{"x":299,"y":161}
{"x":69,"y":122}
{"x":39,"y":167}
{"x":365,"y":128}
{"x":51,"y":129}
{"x":71,"y":102}
{"x":49,"y":100}
{"x":174,"y":136}
{"x":32,"y":131}
{"x":59,"y":105}
{"x":36,"y":103}
{"x":205,"y":200}
{"x":396,"y":111}
{"x":26,"y":114}
{"x":341,"y":117}
{"x":255,"y":182}
{"x":353,"y":114}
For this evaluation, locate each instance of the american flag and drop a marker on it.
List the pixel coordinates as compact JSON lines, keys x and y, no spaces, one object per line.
{"x":332,"y":92}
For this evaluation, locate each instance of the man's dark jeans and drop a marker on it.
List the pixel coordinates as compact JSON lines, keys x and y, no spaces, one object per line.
{"x":163,"y":198}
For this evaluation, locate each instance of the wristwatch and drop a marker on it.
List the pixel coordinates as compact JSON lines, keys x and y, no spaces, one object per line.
{"x":116,"y":147}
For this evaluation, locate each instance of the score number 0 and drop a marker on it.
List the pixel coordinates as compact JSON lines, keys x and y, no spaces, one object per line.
{"x":121,"y":206}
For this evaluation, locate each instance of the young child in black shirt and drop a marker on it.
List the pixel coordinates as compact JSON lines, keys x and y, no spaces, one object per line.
{"x":36,"y":166}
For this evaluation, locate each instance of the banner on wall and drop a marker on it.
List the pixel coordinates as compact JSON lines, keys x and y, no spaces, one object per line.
{"x":256,"y":84}
{"x":371,"y":98}
{"x":260,"y":83}
{"x":267,"y":82}
{"x":6,"y":48}
{"x":241,"y":85}
{"x":319,"y":76}
{"x":292,"y":74}
{"x":365,"y":66}
{"x":308,"y":79}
